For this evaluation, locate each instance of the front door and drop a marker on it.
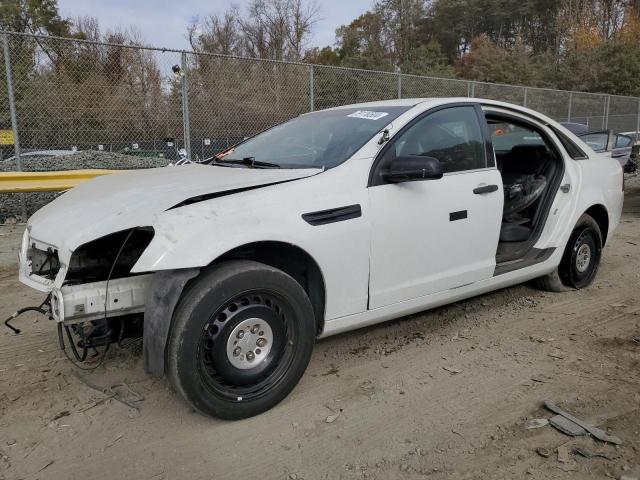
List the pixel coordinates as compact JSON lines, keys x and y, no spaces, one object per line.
{"x":434,"y":235}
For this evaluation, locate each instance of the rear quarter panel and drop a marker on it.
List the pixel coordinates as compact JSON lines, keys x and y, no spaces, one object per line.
{"x":596,"y":180}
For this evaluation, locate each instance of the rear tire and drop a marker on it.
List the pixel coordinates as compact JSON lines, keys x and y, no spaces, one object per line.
{"x":580,"y":260}
{"x":242,"y":337}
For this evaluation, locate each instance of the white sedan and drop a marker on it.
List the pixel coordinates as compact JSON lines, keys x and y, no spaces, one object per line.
{"x":334,"y":220}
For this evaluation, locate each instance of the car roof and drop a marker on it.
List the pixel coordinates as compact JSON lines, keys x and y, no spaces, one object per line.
{"x":412,"y":102}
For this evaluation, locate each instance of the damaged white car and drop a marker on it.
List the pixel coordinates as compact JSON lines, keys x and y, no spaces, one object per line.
{"x":334,"y":220}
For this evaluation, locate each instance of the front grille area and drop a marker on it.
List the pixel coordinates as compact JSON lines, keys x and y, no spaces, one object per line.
{"x":44,"y":263}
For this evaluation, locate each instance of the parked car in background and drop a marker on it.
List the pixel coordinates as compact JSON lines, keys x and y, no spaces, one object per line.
{"x":334,"y":220}
{"x":616,"y":145}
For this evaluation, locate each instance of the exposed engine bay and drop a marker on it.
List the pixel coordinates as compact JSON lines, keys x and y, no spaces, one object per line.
{"x":100,"y":301}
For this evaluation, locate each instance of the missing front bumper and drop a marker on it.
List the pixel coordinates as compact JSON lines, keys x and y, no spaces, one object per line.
{"x":89,"y":301}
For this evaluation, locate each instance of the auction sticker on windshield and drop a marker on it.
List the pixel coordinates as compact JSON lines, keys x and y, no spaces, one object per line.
{"x":368,"y":115}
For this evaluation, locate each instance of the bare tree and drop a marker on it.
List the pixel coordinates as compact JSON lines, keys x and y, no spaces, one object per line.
{"x":273,"y":29}
{"x":302,"y":18}
{"x":216,"y":33}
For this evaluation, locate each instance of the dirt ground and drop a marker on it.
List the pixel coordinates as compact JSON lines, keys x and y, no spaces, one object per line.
{"x":442,"y":394}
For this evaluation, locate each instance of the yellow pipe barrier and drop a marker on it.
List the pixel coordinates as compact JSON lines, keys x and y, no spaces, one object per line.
{"x":19,"y":182}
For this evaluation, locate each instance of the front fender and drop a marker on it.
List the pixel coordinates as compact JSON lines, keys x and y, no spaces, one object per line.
{"x":194,"y":236}
{"x":193,"y":241}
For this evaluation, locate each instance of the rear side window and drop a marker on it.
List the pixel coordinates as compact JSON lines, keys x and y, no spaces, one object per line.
{"x":622,"y":141}
{"x":505,"y":136}
{"x":451,"y":135}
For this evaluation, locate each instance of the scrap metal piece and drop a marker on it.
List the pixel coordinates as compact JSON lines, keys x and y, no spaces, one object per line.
{"x":566,"y":426}
{"x":596,"y":432}
{"x":588,"y":454}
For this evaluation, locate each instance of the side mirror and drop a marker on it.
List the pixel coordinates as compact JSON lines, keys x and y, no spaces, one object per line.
{"x":412,"y":168}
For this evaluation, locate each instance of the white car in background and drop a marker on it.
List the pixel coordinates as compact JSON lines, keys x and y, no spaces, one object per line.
{"x":334,"y":220}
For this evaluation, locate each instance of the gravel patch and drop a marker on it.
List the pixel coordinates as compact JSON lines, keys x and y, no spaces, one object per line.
{"x":90,"y":159}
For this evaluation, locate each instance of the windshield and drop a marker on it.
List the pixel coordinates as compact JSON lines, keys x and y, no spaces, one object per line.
{"x":322,"y":139}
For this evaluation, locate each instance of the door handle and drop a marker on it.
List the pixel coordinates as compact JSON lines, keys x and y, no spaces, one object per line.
{"x":485,"y":189}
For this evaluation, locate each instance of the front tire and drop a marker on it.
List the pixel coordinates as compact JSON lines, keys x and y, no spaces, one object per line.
{"x":242,"y":337}
{"x":580,"y":261}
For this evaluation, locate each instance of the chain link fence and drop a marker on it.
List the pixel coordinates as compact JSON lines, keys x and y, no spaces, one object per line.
{"x":148,"y":103}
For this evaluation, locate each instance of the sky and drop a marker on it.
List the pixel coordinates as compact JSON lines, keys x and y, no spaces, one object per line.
{"x":163,"y":23}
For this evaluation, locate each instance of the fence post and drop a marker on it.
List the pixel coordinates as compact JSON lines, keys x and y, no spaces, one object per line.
{"x":312,"y":100}
{"x":399,"y":83}
{"x":638,"y":122}
{"x":570,"y":106}
{"x":473,"y":89}
{"x":524,"y":103}
{"x":186,"y":124}
{"x":14,"y":118}
{"x":606,"y":112}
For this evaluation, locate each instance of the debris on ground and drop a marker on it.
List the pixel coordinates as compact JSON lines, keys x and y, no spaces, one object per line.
{"x":537,"y":423}
{"x":130,"y":397}
{"x":563,"y":454}
{"x":566,"y":426}
{"x":452,"y":370}
{"x":543,"y":452}
{"x":594,"y":431}
{"x":333,"y":417}
{"x":583,"y":452}
{"x":58,"y":416}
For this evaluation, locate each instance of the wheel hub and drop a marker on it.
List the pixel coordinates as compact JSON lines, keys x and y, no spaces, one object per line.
{"x":583,"y":257}
{"x":249,"y":343}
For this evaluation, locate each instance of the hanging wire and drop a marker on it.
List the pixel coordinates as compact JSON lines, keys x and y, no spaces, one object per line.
{"x":81,"y":358}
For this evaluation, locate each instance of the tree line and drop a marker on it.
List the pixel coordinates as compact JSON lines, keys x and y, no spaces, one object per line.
{"x":587,"y":45}
{"x":79,"y":93}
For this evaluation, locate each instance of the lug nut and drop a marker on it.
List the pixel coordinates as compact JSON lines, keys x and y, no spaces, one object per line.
{"x":255,"y":329}
{"x":236,"y":351}
{"x":240,"y":334}
{"x":261,"y":342}
{"x":250,"y":356}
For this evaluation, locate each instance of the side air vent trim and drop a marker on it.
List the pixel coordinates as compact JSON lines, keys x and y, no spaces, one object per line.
{"x":324,"y":217}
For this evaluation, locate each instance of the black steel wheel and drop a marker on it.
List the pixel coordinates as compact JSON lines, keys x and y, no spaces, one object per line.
{"x":582,"y":255}
{"x":242,"y":338}
{"x":580,"y":260}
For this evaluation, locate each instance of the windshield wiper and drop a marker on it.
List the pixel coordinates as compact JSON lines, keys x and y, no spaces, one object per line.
{"x":250,"y":162}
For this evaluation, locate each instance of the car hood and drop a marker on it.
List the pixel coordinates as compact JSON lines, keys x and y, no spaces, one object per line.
{"x":134,"y":198}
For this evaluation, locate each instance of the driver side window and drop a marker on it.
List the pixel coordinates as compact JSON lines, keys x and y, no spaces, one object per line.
{"x":451,"y":135}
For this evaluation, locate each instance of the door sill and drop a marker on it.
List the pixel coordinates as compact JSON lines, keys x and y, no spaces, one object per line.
{"x":533,"y":256}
